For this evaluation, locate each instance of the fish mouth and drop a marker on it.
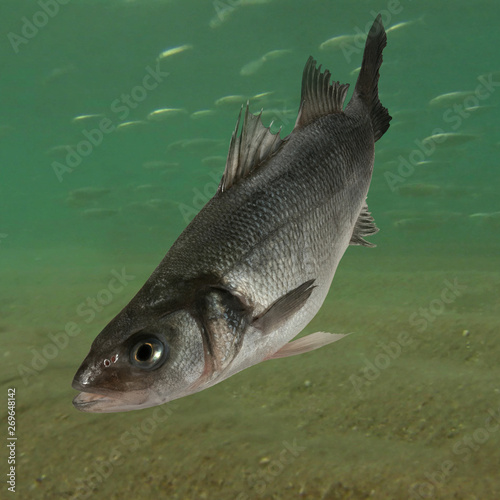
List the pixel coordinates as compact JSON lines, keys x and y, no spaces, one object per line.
{"x":90,"y":402}
{"x":105,"y":401}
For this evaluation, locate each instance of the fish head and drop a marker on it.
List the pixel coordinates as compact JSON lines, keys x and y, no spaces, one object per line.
{"x":133,"y":365}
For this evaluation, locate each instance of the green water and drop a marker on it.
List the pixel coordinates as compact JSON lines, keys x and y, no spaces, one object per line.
{"x":405,"y":407}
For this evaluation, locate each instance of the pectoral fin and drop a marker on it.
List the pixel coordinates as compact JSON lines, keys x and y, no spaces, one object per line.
{"x":283,"y":308}
{"x":306,"y":344}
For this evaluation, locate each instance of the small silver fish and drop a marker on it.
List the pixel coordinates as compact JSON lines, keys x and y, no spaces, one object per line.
{"x":404,"y":24}
{"x":86,"y":119}
{"x":252,"y":67}
{"x":275,"y":54}
{"x":338,"y":42}
{"x":173,"y":51}
{"x":131,"y":125}
{"x":213,"y":161}
{"x":450,"y":98}
{"x":159,"y":115}
{"x":229,"y":100}
{"x":202,"y":113}
{"x":417,"y":224}
{"x":490,"y":220}
{"x":449,"y":139}
{"x":88,"y":193}
{"x":255,"y":265}
{"x":419,"y":189}
{"x":262,"y":95}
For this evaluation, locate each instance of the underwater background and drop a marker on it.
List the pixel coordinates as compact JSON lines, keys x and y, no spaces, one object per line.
{"x":408,"y":405}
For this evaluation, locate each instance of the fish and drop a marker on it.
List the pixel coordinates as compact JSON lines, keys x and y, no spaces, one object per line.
{"x":229,"y":100}
{"x":89,"y":193}
{"x":414,"y":221}
{"x":147,"y":188}
{"x":262,"y":95}
{"x":338,"y":42}
{"x":432,"y":164}
{"x":275,"y":54}
{"x":479,"y":110}
{"x":202,"y":113}
{"x":213,"y":161}
{"x":448,"y":139}
{"x":403,"y":24}
{"x":164,"y":113}
{"x":419,"y":189}
{"x":58,"y":74}
{"x":176,"y":145}
{"x":449,"y":99}
{"x":221,"y":17}
{"x":153,"y":205}
{"x":490,"y":220}
{"x":131,"y":125}
{"x":252,"y":67}
{"x":355,"y":71}
{"x":254,"y":266}
{"x":418,"y":224}
{"x":200,"y":144}
{"x":173,"y":51}
{"x":87,"y":118}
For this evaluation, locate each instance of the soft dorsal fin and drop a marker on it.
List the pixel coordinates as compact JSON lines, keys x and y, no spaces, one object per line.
{"x":319,"y":97}
{"x":365,"y":226}
{"x":255,"y":144}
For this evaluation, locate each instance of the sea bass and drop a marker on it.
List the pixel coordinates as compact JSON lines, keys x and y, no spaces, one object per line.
{"x":255,"y":265}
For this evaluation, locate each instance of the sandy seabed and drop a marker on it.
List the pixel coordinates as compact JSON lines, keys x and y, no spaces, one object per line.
{"x":408,"y":406}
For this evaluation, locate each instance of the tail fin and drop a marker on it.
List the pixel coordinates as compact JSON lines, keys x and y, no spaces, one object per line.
{"x":366,"y":90}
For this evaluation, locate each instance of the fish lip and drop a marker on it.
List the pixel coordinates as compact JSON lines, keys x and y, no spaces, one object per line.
{"x":87,"y":401}
{"x":94,"y":402}
{"x":94,"y":398}
{"x":90,"y":400}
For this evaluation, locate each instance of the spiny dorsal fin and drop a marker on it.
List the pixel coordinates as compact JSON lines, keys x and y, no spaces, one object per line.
{"x":365,"y":226}
{"x":319,"y":97}
{"x":255,"y":144}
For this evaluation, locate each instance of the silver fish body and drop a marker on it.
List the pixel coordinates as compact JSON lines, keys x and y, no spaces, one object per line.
{"x":289,"y":223}
{"x":255,"y":265}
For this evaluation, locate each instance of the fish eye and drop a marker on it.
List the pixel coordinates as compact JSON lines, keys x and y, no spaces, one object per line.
{"x":149,"y":353}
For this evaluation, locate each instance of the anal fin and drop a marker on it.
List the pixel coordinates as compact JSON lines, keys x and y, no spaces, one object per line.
{"x":306,"y":344}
